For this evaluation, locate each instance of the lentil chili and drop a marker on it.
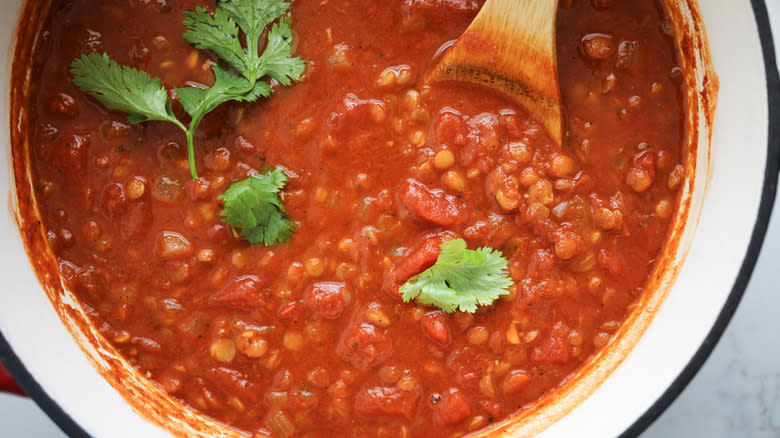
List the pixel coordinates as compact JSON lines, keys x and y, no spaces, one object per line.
{"x":310,"y":338}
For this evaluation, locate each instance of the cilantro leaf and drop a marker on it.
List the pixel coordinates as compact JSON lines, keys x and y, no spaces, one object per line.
{"x":276,"y":60}
{"x":254,"y":15}
{"x":200,"y":101}
{"x":218,"y":34}
{"x":261,"y":89}
{"x":253,"y":206}
{"x":460,"y":279}
{"x":123,"y":88}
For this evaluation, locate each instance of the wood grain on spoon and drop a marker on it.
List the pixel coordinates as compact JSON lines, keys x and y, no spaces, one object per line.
{"x":510,"y":47}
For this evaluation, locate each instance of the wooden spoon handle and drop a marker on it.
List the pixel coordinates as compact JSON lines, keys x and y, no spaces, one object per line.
{"x":510,"y":46}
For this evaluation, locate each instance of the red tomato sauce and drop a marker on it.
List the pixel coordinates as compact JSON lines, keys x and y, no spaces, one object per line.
{"x":310,"y":338}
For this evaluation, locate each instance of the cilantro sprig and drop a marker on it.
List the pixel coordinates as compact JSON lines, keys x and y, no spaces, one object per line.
{"x":253,"y":207}
{"x":460,"y":279}
{"x":144,"y":98}
{"x":122,"y":88}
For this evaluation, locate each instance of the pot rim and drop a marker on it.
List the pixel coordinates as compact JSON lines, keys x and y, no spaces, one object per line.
{"x":768,"y":194}
{"x":70,"y":427}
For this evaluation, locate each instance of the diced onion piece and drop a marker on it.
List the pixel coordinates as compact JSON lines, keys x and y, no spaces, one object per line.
{"x":280,"y":425}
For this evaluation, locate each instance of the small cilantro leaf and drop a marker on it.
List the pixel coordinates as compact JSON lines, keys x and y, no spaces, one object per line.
{"x":253,"y":207}
{"x":200,"y":101}
{"x":197,"y":101}
{"x":218,"y":34}
{"x":261,"y":89}
{"x":276,"y":60}
{"x":252,"y":16}
{"x":460,"y":279}
{"x":122,"y":88}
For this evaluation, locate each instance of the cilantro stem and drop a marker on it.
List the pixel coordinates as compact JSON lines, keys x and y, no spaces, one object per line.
{"x":191,"y":150}
{"x":189,"y":133}
{"x":211,"y":101}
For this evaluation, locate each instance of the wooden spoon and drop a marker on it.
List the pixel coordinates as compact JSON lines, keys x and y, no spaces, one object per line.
{"x":510,"y":47}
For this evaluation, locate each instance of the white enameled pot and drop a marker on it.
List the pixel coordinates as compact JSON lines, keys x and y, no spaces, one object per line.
{"x":77,"y":379}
